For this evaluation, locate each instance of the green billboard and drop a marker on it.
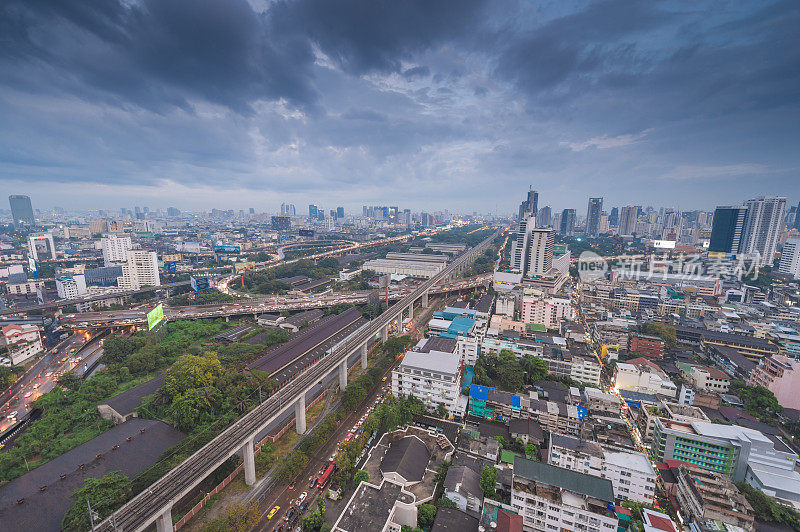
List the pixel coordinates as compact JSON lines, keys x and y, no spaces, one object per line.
{"x":155,"y":316}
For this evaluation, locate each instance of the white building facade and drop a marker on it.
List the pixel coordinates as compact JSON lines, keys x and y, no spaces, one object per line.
{"x":434,"y":378}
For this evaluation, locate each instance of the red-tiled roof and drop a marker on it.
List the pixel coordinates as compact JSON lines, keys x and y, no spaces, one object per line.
{"x":658,"y":522}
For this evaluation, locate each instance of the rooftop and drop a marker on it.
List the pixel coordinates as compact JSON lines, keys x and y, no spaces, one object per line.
{"x":453,"y":520}
{"x":369,"y":508}
{"x":566,"y":479}
{"x":433,"y":361}
{"x":576,"y":444}
{"x":408,"y":457}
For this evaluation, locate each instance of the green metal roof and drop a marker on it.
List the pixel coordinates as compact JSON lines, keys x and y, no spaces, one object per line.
{"x":508,"y":456}
{"x":599,"y":488}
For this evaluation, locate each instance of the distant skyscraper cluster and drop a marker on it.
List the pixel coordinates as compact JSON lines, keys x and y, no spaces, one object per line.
{"x":750,"y":229}
{"x":532,"y":250}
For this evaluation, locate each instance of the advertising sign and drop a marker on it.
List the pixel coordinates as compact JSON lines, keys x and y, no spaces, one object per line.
{"x":226,"y":249}
{"x":240,"y":267}
{"x":188,"y":247}
{"x":199,"y":283}
{"x":155,"y":316}
{"x":305,"y":232}
{"x":171,"y":267}
{"x":664,"y":244}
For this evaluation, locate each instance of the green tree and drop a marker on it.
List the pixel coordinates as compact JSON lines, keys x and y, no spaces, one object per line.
{"x":105,"y":494}
{"x":353,"y":394}
{"x":665,"y":332}
{"x":444,"y":502}
{"x":532,"y":451}
{"x":441,"y":411}
{"x":396,"y":345}
{"x":291,"y":465}
{"x":535,"y":369}
{"x":238,"y":517}
{"x":489,"y":481}
{"x":70,"y":381}
{"x":191,"y":372}
{"x":360,"y":476}
{"x":425,"y":515}
{"x":313,"y":521}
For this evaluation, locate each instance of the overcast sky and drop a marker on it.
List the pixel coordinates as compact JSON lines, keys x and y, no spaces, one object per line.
{"x":423,"y":104}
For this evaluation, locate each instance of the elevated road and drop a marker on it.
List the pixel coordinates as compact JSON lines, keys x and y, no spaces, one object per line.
{"x":155,"y":503}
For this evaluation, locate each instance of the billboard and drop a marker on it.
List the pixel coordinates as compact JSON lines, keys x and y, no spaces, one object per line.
{"x":240,"y":267}
{"x":188,"y":247}
{"x":306,"y":232}
{"x":664,"y":244}
{"x":226,"y":249}
{"x":171,"y":266}
{"x":155,"y":316}
{"x":199,"y":283}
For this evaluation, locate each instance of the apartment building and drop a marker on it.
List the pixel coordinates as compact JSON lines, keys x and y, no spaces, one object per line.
{"x":644,"y":378}
{"x":115,"y":249}
{"x":631,"y":473}
{"x":711,"y":500}
{"x":649,"y":346}
{"x":551,"y":498}
{"x":546,"y":311}
{"x":22,"y":341}
{"x":71,"y":286}
{"x":434,"y":378}
{"x":598,"y":401}
{"x":140,"y":269}
{"x":781,"y":375}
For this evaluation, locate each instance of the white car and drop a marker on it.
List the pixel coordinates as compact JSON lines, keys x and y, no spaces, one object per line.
{"x":12,"y":415}
{"x":302,"y":497}
{"x":28,"y":394}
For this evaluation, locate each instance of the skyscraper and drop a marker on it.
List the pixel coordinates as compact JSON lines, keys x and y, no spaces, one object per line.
{"x":545,"y":217}
{"x":340,"y":213}
{"x":567,"y":225}
{"x":540,"y":252}
{"x":797,"y":218}
{"x":764,"y":223}
{"x":593,"y":216}
{"x":627,"y":219}
{"x":613,"y":217}
{"x":21,"y":209}
{"x":727,"y":228}
{"x":790,"y":258}
{"x":313,"y":211}
{"x":530,"y":205}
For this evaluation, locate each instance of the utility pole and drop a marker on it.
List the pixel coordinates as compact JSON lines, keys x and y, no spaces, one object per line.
{"x":92,"y":514}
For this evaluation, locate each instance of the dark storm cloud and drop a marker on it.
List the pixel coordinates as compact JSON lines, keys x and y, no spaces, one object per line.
{"x":404,"y":99}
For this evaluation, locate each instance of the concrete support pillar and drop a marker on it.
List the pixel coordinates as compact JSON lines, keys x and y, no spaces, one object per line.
{"x":364,"y":356}
{"x":425,"y":300}
{"x":343,"y":375}
{"x":300,"y":414}
{"x":227,"y":319}
{"x":385,"y":333}
{"x":164,"y":521}
{"x":411,"y":310}
{"x":249,"y":457}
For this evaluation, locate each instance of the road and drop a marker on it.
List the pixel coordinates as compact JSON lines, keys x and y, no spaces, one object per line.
{"x":42,"y":378}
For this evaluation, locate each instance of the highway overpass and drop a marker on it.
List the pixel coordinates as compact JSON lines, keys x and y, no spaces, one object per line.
{"x":154,"y":504}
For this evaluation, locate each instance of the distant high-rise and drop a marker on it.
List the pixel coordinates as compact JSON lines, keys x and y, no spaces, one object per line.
{"x":540,"y":253}
{"x":567,"y":225}
{"x":628,"y":217}
{"x":613,"y":217}
{"x":172,"y":211}
{"x":762,"y":227}
{"x":313,"y":211}
{"x":115,"y":249}
{"x":530,"y":205}
{"x":593,"y":216}
{"x":21,"y":209}
{"x":727,"y":229}
{"x":797,"y":218}
{"x":340,"y":213}
{"x":790,"y":258}
{"x":252,"y":210}
{"x":545,"y":217}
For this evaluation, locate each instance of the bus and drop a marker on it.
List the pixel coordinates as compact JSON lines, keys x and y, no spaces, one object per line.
{"x":326,"y":475}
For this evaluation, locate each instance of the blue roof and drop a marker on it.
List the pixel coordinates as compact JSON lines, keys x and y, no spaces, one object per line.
{"x":461,"y":325}
{"x":438,"y":314}
{"x":457,"y":311}
{"x":449,"y":334}
{"x":515,"y":401}
{"x":477,"y":391}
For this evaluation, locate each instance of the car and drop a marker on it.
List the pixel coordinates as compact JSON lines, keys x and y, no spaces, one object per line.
{"x":272,"y":512}
{"x":12,"y":414}
{"x":35,"y":385}
{"x":302,"y":497}
{"x":28,"y":394}
{"x":48,"y":374}
{"x":312,"y":483}
{"x":289,"y":514}
{"x":384,"y":378}
{"x":291,"y":486}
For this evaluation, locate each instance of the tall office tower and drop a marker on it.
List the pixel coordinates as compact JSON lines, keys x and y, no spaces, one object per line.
{"x":540,"y":252}
{"x":762,"y":227}
{"x":605,"y":227}
{"x":172,"y":211}
{"x":406,"y":218}
{"x":333,"y":214}
{"x":340,"y":212}
{"x":790,"y":258}
{"x":321,"y":214}
{"x":530,"y":205}
{"x":627,"y":219}
{"x":21,"y":209}
{"x":115,"y":249}
{"x":593,"y":216}
{"x":313,"y":211}
{"x":727,"y":228}
{"x":141,"y":269}
{"x":393,"y":214}
{"x":567,"y":225}
{"x":613,"y":217}
{"x":797,"y":218}
{"x":545,"y":217}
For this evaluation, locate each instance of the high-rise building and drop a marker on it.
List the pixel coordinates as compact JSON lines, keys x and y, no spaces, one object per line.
{"x":613,"y":217}
{"x":727,"y":228}
{"x":141,"y":269}
{"x":340,"y":213}
{"x":41,"y":247}
{"x":567,"y":225}
{"x":545,"y":217}
{"x":115,"y":249}
{"x":790,"y":258}
{"x":540,"y":251}
{"x":530,"y":205}
{"x":627,"y":219}
{"x":762,"y":227}
{"x":593,"y":216}
{"x":313,"y":212}
{"x":21,"y":209}
{"x":288,"y":209}
{"x":281,"y":223}
{"x":172,"y":211}
{"x":797,"y":218}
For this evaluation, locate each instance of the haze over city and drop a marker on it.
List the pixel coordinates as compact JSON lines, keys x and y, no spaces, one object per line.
{"x":409,"y":266}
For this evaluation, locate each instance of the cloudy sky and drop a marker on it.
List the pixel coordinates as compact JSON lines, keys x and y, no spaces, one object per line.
{"x":422,"y":104}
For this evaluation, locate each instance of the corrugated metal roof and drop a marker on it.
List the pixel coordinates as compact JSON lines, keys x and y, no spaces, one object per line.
{"x":599,"y":488}
{"x":476,"y":391}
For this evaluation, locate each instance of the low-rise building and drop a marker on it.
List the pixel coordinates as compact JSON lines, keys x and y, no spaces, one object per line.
{"x":22,"y":342}
{"x":600,"y":401}
{"x":648,"y":379}
{"x":552,"y":498}
{"x":649,"y":346}
{"x":709,"y":379}
{"x":71,"y":286}
{"x":711,"y":500}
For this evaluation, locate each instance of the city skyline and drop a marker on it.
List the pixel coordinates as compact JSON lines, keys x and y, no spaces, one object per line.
{"x":639,"y":104}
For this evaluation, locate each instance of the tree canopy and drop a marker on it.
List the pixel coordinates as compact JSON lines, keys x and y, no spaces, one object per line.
{"x":105,"y":494}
